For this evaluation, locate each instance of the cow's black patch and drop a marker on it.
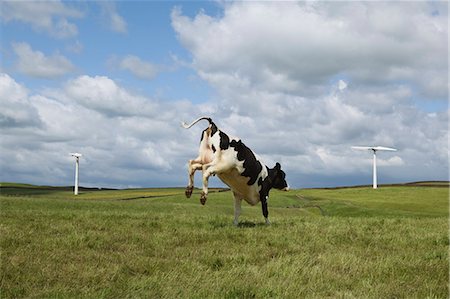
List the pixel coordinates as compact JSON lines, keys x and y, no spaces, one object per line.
{"x":203,"y":134}
{"x":266,"y":185}
{"x":252,"y":167}
{"x":224,"y":140}
{"x":276,"y":178}
{"x":213,"y":148}
{"x":265,"y":210}
{"x":213,"y":128}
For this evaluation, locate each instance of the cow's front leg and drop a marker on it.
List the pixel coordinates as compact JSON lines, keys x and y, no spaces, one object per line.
{"x":265,"y":210}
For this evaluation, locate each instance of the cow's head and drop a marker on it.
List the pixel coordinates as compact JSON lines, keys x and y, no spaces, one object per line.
{"x":278,"y":178}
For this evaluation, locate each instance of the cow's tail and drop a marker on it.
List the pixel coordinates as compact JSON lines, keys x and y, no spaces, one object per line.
{"x":186,"y":126}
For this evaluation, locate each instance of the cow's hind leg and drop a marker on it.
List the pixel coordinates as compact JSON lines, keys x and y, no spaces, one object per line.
{"x":206,"y":175}
{"x":237,"y":208}
{"x":208,"y":170}
{"x":192,"y":167}
{"x":204,"y":195}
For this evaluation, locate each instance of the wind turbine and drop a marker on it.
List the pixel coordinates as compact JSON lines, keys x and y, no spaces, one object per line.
{"x":374,"y":149}
{"x":77,"y":162}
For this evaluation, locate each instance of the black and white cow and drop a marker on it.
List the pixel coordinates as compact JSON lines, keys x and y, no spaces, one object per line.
{"x":237,"y":166}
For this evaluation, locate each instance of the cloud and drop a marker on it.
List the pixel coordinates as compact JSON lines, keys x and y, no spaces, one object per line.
{"x":135,"y":65}
{"x":342,"y":85}
{"x":299,"y":83}
{"x":129,"y":139}
{"x":125,"y":139}
{"x":76,"y":47}
{"x":111,"y":18}
{"x":313,"y":78}
{"x":17,"y":111}
{"x":297,"y":47}
{"x":36,"y":64}
{"x":102,"y":94}
{"x":50,"y":17}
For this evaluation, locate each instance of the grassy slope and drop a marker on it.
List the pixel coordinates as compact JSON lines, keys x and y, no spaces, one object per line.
{"x":385,"y":201}
{"x":391,"y":242}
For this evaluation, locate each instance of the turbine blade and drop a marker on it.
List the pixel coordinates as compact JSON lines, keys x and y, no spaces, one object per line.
{"x":374,"y":148}
{"x":363,"y":148}
{"x":383,"y":148}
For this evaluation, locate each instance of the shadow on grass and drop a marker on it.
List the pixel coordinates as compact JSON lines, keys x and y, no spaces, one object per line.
{"x":242,"y":224}
{"x":249,"y":224}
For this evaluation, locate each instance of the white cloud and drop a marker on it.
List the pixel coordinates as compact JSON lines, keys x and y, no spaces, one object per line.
{"x":125,"y":139}
{"x":305,"y":44}
{"x":17,"y":111}
{"x":102,"y":94}
{"x":135,"y":65}
{"x":118,"y":24}
{"x":275,"y":64}
{"x":111,"y":18}
{"x":132,"y":140}
{"x":44,"y":16}
{"x":434,"y":84}
{"x":300,"y":83}
{"x":36,"y":64}
{"x":76,"y":47}
{"x":342,"y":85}
{"x":392,"y":161}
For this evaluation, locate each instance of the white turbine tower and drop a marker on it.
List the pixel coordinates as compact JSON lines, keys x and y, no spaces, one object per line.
{"x":374,"y":149}
{"x":77,"y":162}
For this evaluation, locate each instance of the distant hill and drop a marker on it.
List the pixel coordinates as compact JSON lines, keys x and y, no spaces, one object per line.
{"x":45,"y":187}
{"x":443,"y":184}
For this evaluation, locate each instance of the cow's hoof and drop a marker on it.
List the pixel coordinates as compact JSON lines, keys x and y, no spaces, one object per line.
{"x":188,"y":191}
{"x":203,"y":198}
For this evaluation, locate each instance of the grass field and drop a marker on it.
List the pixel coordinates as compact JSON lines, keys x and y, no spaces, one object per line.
{"x":153,"y":243}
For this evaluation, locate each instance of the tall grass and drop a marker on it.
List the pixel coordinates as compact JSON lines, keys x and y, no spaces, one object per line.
{"x":161,"y":245}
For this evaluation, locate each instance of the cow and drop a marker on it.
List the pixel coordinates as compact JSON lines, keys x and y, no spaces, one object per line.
{"x":237,"y":166}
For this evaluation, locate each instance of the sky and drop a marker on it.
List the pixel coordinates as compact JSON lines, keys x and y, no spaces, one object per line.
{"x":298,"y":82}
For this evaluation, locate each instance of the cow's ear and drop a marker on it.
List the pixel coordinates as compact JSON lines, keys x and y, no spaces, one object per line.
{"x":278,"y":166}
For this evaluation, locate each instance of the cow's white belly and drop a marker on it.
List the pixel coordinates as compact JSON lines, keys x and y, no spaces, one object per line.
{"x":238,"y":184}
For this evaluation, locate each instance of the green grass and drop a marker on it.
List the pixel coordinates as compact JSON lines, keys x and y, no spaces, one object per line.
{"x":154,"y":243}
{"x":385,"y":201}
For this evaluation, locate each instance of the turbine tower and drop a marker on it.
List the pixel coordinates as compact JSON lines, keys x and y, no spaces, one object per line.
{"x":374,"y":149}
{"x":77,"y":162}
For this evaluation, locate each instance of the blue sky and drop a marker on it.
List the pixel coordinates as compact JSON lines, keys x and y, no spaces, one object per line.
{"x":147,"y":34}
{"x":299,"y":82}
